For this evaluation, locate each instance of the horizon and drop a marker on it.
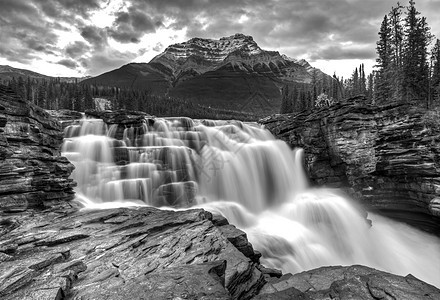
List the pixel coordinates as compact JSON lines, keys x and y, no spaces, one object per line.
{"x":87,"y":38}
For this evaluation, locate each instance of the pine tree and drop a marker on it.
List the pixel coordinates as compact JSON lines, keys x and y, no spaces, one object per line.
{"x":370,"y":88}
{"x":384,"y":51}
{"x":286,"y":101}
{"x":355,"y":82}
{"x":435,"y":71}
{"x":362,"y":80}
{"x":415,"y":64}
{"x":397,"y":37}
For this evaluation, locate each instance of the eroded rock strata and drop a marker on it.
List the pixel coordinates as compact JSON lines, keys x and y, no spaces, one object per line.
{"x":147,"y":253}
{"x":32,"y":171}
{"x":387,"y":157}
{"x":125,"y":253}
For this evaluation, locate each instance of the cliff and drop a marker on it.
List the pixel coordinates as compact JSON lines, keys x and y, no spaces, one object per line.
{"x":386,"y":157}
{"x":32,"y":171}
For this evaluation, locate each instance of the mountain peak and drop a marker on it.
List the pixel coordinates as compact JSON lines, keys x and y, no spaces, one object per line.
{"x":211,"y":50}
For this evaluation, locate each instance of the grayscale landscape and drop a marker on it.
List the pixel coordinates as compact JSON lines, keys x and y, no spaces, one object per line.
{"x":219,"y":149}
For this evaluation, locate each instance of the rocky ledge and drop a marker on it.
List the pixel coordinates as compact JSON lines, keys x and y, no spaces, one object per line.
{"x":147,"y":253}
{"x":387,"y":157}
{"x":32,"y":171}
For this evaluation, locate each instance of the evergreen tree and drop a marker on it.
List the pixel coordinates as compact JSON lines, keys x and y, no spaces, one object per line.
{"x":286,"y":101}
{"x":435,"y":71}
{"x":384,"y":51}
{"x":397,"y":37}
{"x":370,"y":88}
{"x":362,"y":80}
{"x":415,"y":66}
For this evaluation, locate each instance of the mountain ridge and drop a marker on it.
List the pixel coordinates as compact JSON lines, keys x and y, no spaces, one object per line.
{"x":7,"y":73}
{"x":226,"y":72}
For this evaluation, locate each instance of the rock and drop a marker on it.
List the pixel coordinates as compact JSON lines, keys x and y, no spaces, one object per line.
{"x":354,"y":282}
{"x":238,"y":238}
{"x":269,"y":272}
{"x":124,"y":253}
{"x":386,"y":157}
{"x":434,"y":207}
{"x":32,"y":171}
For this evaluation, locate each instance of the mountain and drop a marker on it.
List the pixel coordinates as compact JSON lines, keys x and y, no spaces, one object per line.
{"x":231,"y":72}
{"x":8,"y":72}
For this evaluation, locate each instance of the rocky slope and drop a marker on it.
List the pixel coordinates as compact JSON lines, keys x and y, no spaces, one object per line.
{"x":231,"y":72}
{"x":387,"y":157}
{"x":32,"y":171}
{"x":147,"y":253}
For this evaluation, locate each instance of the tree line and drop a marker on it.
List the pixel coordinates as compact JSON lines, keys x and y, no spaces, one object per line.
{"x":407,"y":70}
{"x":55,"y":94}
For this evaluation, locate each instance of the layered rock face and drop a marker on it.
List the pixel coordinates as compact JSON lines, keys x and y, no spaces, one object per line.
{"x":147,"y":253}
{"x":387,"y":157}
{"x":32,"y":172}
{"x":126,"y":253}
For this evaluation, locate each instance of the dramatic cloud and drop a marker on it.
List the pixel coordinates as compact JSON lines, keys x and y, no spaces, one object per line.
{"x":76,"y":49}
{"x":69,"y":63}
{"x":92,"y":36}
{"x":130,"y":26}
{"x":95,"y":36}
{"x":101,"y":62}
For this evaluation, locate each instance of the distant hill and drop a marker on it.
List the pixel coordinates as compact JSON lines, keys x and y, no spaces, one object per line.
{"x":231,"y":72}
{"x":8,"y":72}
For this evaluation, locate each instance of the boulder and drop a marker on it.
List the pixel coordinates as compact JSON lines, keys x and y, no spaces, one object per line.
{"x":124,"y":253}
{"x":353,"y":282}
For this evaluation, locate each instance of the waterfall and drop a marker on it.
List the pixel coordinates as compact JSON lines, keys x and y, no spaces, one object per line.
{"x":239,"y":170}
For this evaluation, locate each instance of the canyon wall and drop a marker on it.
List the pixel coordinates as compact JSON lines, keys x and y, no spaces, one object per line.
{"x":386,"y":157}
{"x":32,"y":171}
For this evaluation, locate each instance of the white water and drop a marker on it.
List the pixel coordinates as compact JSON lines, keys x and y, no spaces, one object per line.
{"x":240,"y":171}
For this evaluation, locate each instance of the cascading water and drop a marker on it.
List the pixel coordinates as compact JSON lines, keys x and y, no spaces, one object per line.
{"x":257,"y":182}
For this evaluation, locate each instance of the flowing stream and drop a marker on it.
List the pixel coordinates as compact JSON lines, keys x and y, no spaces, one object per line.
{"x":241,"y":171}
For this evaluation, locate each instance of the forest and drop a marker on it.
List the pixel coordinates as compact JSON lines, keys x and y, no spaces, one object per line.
{"x":407,"y":69}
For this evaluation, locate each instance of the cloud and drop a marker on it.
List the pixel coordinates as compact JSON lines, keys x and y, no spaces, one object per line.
{"x":110,"y":59}
{"x":130,"y":26}
{"x":95,"y":36}
{"x":76,"y":49}
{"x":69,"y":63}
{"x":24,"y":34}
{"x":66,"y":30}
{"x":339,"y":52}
{"x":158,"y":47}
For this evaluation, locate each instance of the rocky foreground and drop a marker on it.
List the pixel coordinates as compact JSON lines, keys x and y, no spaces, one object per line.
{"x":147,"y":253}
{"x":49,"y":249}
{"x":387,"y":157}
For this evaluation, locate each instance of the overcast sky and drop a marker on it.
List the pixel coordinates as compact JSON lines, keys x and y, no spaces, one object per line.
{"x":89,"y":37}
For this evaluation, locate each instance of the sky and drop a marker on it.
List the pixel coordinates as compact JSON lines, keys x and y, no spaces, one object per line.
{"x":90,"y":37}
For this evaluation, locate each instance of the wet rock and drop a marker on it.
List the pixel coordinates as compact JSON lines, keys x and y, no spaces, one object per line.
{"x":124,"y":253}
{"x":386,"y":157}
{"x":355,"y":282}
{"x":32,"y":171}
{"x":238,"y":238}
